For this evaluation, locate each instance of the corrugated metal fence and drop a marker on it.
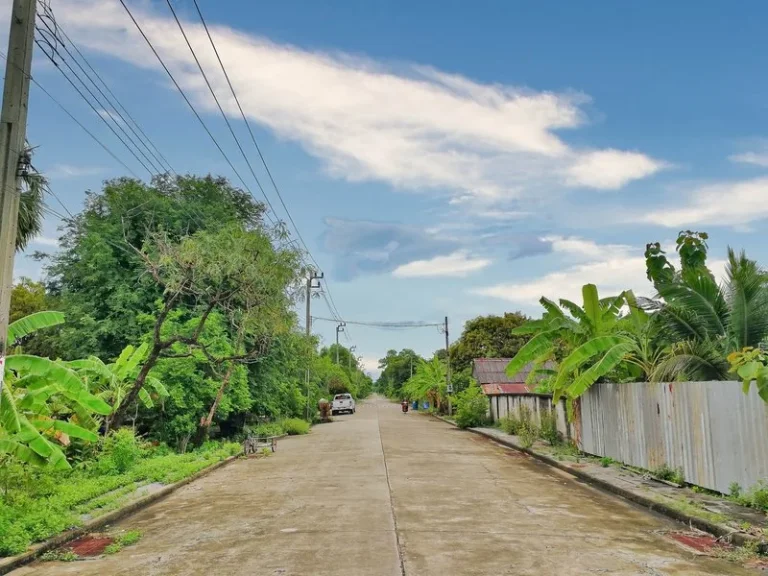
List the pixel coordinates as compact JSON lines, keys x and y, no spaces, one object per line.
{"x":712,"y":430}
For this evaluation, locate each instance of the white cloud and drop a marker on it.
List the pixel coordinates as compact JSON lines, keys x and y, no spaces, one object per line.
{"x":611,"y":169}
{"x":611,"y":277}
{"x":756,"y":158}
{"x":411,"y":126}
{"x":45,"y":241}
{"x":460,"y":263}
{"x":69,"y":171}
{"x":371,"y":366}
{"x":583,"y":248}
{"x":721,"y":204}
{"x":614,"y":268}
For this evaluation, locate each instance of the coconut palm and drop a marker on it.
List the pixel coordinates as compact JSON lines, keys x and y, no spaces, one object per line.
{"x":707,"y":321}
{"x":31,"y":205}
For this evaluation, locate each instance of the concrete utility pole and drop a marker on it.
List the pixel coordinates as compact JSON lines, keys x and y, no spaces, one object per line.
{"x":339,"y":328}
{"x":448,"y":366}
{"x":349,"y":358}
{"x":13,"y":128}
{"x":313,"y":276}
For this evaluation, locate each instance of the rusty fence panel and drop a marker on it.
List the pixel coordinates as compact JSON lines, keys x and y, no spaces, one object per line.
{"x":712,"y":430}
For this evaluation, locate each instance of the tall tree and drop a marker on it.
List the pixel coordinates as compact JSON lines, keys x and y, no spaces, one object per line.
{"x":98,"y":276}
{"x":31,"y":202}
{"x":488,"y":337}
{"x":231,"y":271}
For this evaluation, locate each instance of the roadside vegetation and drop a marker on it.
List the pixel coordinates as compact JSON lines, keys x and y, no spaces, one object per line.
{"x":164,"y":330}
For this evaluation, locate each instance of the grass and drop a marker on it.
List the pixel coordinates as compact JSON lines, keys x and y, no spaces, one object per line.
{"x":38,"y":504}
{"x":739,"y":554}
{"x":294,"y":426}
{"x":121,"y":541}
{"x":690,"y":508}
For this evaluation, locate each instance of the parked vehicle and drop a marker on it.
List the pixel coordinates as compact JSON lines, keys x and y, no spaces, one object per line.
{"x":343,"y":403}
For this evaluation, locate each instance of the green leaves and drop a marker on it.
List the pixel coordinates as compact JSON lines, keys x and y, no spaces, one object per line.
{"x":611,"y":356}
{"x":32,"y":323}
{"x":533,"y":349}
{"x":67,"y":381}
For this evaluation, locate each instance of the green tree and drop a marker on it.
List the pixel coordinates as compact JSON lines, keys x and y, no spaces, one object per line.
{"x":99,"y":279}
{"x":488,"y":337}
{"x":703,"y":321}
{"x":396,"y":369}
{"x":428,"y":382}
{"x":27,"y":298}
{"x":235,"y":272}
{"x":31,"y":202}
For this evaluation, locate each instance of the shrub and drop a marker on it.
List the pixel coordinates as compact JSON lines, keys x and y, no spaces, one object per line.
{"x":606,"y":461}
{"x":734,"y":489}
{"x":267,"y":429}
{"x":549,"y":430}
{"x":757,"y":496}
{"x":471,"y":407}
{"x":510,"y":425}
{"x":528,"y":434}
{"x":295,"y":426}
{"x":674,"y":475}
{"x":121,"y":451}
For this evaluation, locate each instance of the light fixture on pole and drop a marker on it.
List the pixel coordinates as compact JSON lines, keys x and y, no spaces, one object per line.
{"x":339,"y":328}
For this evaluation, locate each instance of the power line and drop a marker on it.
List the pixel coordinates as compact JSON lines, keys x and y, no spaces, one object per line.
{"x":186,"y":99}
{"x":250,"y":131}
{"x":157,"y":158}
{"x":334,"y":309}
{"x":87,"y":101}
{"x":392,"y":325}
{"x":76,"y":121}
{"x":218,"y":104}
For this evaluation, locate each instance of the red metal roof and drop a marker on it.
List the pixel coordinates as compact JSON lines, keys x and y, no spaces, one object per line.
{"x":500,"y":389}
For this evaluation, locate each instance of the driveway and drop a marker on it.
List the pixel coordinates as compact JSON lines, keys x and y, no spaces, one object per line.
{"x":381,"y":493}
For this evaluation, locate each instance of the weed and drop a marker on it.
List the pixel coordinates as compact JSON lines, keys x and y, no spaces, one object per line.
{"x":734,"y":489}
{"x":692,"y":509}
{"x":113,"y":548}
{"x":528,"y":435}
{"x":59,"y":555}
{"x":295,"y":426}
{"x":606,"y":461}
{"x":549,"y":430}
{"x":510,"y":425}
{"x":266,"y":451}
{"x":745,"y":526}
{"x":129,"y":538}
{"x":674,"y":475}
{"x":739,"y":554}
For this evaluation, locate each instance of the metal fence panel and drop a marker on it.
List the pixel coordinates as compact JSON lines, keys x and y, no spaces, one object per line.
{"x":712,"y":430}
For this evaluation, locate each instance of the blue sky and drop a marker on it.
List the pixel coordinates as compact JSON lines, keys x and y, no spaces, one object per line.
{"x":446,"y":158}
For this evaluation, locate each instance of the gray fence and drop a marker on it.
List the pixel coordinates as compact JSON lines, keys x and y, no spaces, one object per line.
{"x":536,"y":403}
{"x":712,"y":430}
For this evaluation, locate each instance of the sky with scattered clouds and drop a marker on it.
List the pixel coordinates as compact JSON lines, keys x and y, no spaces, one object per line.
{"x":441,"y":159}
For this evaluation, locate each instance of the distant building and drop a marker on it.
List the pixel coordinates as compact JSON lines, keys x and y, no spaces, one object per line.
{"x":491,"y":374}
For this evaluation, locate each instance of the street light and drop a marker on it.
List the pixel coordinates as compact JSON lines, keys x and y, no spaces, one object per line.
{"x":349,"y":358}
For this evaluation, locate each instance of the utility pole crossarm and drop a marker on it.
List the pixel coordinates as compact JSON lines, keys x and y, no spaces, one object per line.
{"x":13,"y":127}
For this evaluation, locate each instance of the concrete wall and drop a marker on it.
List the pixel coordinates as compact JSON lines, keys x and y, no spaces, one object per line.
{"x":536,"y":403}
{"x":712,"y":430}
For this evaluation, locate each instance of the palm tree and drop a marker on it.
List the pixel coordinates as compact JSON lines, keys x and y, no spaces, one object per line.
{"x":31,"y":203}
{"x":706,"y":321}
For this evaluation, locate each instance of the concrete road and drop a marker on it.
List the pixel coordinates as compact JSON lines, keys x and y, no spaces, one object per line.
{"x":381,"y":493}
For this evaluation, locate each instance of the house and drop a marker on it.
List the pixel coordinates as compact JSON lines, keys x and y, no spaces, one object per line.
{"x":507,"y":394}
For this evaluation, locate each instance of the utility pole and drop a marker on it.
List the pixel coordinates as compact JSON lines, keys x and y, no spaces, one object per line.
{"x":349,"y":358}
{"x":448,"y":366}
{"x":13,"y":128}
{"x":339,"y":328}
{"x":313,"y":276}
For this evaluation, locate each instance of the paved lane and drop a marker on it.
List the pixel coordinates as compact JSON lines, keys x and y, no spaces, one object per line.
{"x":386,"y":494}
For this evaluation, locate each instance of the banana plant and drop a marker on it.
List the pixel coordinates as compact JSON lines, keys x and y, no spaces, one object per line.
{"x":43,"y":403}
{"x":112,"y":382}
{"x":596,"y":333}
